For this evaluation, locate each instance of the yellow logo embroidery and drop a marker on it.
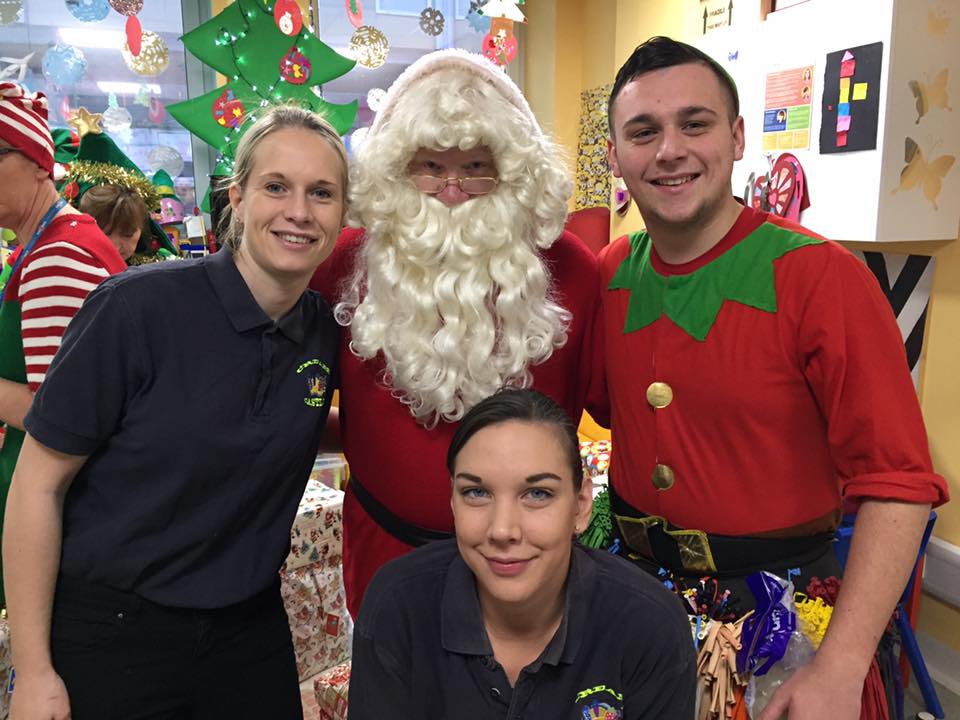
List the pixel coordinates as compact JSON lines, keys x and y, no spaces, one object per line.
{"x":317,"y":380}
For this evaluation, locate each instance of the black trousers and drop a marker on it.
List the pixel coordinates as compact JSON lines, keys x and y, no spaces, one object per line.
{"x":125,"y":658}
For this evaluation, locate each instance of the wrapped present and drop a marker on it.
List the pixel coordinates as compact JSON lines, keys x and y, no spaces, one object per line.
{"x":596,"y":457}
{"x":6,"y":669}
{"x":330,"y":688}
{"x":317,"y":612}
{"x":331,"y":470}
{"x":316,"y":536}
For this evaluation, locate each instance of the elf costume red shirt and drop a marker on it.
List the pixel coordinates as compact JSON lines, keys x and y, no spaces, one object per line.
{"x":71,"y":258}
{"x":768,"y":377}
{"x":400,"y":462}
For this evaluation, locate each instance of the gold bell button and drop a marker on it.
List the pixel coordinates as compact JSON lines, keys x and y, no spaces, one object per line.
{"x":662,"y":477}
{"x":659,"y":394}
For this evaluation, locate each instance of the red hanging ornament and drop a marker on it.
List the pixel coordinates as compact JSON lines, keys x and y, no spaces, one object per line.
{"x":227,"y":110}
{"x":287,"y":16}
{"x":354,"y":12}
{"x":134,"y":35}
{"x":71,"y":190}
{"x":156,"y":111}
{"x":295,"y":67}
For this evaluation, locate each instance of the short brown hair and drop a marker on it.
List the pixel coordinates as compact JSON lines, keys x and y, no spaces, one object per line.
{"x":115,"y":209}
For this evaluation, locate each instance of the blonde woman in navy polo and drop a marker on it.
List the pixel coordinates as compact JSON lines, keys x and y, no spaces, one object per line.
{"x":166,"y":455}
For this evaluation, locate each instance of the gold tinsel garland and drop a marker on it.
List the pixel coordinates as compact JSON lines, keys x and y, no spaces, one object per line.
{"x":593,"y":169}
{"x":99,"y":173}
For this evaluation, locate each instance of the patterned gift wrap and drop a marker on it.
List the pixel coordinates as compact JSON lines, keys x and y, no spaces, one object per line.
{"x":6,"y":668}
{"x":316,"y":608}
{"x":316,"y":536}
{"x":596,"y":457}
{"x":330,"y":688}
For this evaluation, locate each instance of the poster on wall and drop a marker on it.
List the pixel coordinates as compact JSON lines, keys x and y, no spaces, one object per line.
{"x":851,"y":99}
{"x":787,"y":104}
{"x":714,"y":14}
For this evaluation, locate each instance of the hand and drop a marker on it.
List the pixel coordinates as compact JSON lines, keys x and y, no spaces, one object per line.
{"x":40,"y":696}
{"x":813,"y":693}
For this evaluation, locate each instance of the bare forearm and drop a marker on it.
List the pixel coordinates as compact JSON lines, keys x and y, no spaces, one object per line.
{"x":883,"y":551}
{"x":15,"y":399}
{"x":31,"y":557}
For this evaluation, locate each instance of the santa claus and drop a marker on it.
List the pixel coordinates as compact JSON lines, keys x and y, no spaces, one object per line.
{"x":457,"y":278}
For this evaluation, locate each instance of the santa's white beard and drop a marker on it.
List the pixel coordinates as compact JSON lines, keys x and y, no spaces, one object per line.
{"x":457,"y":299}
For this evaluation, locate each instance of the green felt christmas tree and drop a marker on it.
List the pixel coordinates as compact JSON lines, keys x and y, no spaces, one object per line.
{"x":263,"y":66}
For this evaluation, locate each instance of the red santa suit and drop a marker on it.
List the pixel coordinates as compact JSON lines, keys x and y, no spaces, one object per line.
{"x":397,"y":460}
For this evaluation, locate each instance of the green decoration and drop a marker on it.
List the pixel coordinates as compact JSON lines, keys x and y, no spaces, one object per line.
{"x":600,"y":529}
{"x":743,"y":274}
{"x":244,"y":43}
{"x":99,"y":161}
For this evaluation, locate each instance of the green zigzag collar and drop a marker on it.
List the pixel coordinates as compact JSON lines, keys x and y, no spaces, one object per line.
{"x":744,"y":274}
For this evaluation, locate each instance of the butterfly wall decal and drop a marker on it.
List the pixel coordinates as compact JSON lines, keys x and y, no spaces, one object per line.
{"x":931,"y":95}
{"x":928,"y":175}
{"x":937,"y":22}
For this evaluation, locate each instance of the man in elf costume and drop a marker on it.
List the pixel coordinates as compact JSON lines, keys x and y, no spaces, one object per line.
{"x":462,"y":280}
{"x":754,"y":379}
{"x":62,"y":256}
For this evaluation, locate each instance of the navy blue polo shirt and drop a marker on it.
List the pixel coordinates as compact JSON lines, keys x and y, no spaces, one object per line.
{"x":201,"y":418}
{"x":421,"y":650}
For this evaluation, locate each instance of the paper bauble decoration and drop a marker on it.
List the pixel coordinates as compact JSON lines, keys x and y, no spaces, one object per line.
{"x":64,"y":65}
{"x":287,"y":16}
{"x":369,"y":47}
{"x":171,"y":210}
{"x":375,"y":99}
{"x":127,"y":7}
{"x":227,"y":110}
{"x":89,"y":11}
{"x":164,"y":157}
{"x":153,"y":58}
{"x":11,"y":11}
{"x":431,"y":21}
{"x":479,"y":23}
{"x":295,"y":67}
{"x":117,"y":119}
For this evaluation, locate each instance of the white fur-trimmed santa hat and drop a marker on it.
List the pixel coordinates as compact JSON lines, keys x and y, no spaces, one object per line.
{"x":455,"y":59}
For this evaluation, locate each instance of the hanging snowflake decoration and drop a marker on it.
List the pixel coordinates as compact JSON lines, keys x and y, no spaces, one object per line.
{"x":369,"y":47}
{"x":431,"y":21}
{"x":64,"y":65}
{"x":88,"y":11}
{"x":478,"y":22}
{"x":375,"y":98}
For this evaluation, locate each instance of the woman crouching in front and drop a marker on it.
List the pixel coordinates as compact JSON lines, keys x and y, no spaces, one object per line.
{"x":515,"y":619}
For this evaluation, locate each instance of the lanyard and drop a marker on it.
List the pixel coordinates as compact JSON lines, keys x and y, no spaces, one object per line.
{"x":46,"y":220}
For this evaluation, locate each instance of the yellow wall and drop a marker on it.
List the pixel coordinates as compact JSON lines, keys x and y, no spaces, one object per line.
{"x":583,"y":60}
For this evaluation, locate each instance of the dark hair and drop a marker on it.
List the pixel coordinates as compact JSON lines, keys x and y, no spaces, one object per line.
{"x":662,"y":52}
{"x":523,"y":406}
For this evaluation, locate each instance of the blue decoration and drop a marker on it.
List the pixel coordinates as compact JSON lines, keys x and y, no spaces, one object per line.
{"x":64,"y":65}
{"x":479,"y":23}
{"x":88,"y":11}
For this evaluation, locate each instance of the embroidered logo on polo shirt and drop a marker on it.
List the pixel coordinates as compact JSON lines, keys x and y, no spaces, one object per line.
{"x":317,"y":375}
{"x":600,"y":703}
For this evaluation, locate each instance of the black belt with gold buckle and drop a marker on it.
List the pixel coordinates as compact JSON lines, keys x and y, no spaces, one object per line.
{"x":692,"y":553}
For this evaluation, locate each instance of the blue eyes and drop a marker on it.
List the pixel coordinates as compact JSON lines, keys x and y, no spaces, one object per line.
{"x":275,"y":188}
{"x":534,"y":494}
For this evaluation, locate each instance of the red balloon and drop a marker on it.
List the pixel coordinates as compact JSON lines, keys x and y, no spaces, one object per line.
{"x":134,"y":35}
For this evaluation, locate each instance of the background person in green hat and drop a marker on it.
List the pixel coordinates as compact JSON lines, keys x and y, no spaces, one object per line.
{"x":102,"y":181}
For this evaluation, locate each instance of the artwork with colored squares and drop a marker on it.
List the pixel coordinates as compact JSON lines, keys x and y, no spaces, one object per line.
{"x":851,"y":99}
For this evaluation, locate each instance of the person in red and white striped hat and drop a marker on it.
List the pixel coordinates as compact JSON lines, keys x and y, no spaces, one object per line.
{"x":62,"y":256}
